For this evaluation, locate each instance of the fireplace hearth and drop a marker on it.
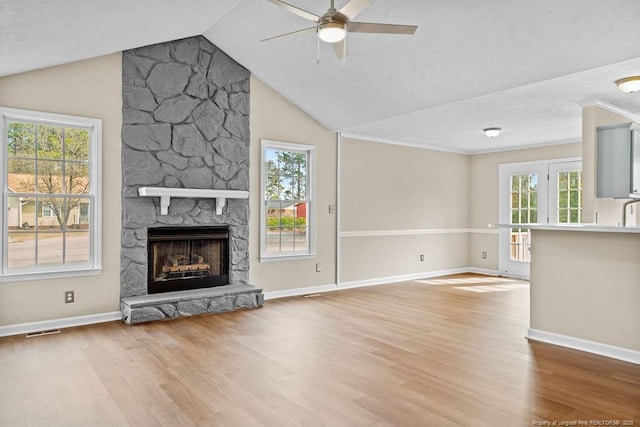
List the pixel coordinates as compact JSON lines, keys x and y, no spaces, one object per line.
{"x":184,"y":258}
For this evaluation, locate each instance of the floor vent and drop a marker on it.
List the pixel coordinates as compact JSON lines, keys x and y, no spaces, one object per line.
{"x":42,"y":333}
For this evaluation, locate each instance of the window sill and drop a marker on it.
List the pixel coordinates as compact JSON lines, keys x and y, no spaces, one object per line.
{"x":44,"y":275}
{"x":293,"y":257}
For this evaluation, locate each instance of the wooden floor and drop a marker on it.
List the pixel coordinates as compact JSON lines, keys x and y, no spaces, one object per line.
{"x":427,"y":354}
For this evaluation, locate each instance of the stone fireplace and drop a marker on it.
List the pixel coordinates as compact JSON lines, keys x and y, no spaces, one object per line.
{"x":185,"y":130}
{"x":183,"y":258}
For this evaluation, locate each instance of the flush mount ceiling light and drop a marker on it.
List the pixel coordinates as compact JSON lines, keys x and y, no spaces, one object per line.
{"x":332,"y":32}
{"x":492,"y":132}
{"x":629,"y":84}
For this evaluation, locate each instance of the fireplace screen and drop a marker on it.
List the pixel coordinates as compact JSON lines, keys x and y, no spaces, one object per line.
{"x":187,"y":258}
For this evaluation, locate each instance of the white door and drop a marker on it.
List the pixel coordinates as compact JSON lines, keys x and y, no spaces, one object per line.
{"x":523,"y":199}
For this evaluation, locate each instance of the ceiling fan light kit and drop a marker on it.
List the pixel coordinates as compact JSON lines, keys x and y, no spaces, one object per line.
{"x":629,"y":84}
{"x":492,"y":132}
{"x":333,"y":25}
{"x":332,"y":32}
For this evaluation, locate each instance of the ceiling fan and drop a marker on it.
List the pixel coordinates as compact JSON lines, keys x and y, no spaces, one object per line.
{"x":333,"y":26}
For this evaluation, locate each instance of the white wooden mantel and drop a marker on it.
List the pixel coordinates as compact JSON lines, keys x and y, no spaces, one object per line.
{"x":166,"y":193}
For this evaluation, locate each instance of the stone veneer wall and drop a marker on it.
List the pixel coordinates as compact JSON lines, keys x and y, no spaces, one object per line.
{"x":185,"y":124}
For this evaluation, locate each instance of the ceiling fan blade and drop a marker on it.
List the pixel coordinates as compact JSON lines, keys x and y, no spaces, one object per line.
{"x":372,"y":27}
{"x":310,"y":29}
{"x":340,"y":48}
{"x":294,"y":9}
{"x":354,"y":7}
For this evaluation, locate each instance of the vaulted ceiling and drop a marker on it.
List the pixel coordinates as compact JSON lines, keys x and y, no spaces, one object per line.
{"x":525,"y":66}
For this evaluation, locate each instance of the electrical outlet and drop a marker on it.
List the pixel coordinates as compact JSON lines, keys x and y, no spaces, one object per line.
{"x":421,"y":257}
{"x":333,"y":209}
{"x":484,"y":255}
{"x":69,"y":296}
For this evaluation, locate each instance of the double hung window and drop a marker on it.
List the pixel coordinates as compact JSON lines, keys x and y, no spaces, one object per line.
{"x":50,"y":194}
{"x":287,"y":214}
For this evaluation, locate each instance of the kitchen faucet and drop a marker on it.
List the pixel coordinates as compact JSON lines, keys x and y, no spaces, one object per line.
{"x":624,"y":210}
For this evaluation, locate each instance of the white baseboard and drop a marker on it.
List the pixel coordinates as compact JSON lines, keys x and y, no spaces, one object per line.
{"x":484,"y":271}
{"x":514,"y":276}
{"x":402,"y":278}
{"x":299,"y":291}
{"x":373,"y":282}
{"x":620,"y":353}
{"x":25,"y":328}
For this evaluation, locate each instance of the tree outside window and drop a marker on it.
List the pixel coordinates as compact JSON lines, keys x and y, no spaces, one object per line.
{"x":49,"y":192}
{"x":287,"y":202}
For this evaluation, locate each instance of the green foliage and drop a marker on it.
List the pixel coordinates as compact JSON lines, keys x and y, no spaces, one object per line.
{"x":272,"y":177}
{"x":286,"y":175}
{"x":524,"y":199}
{"x":49,"y":160}
{"x":285,"y":222}
{"x":21,"y":139}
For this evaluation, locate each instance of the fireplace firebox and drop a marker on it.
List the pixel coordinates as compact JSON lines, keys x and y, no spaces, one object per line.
{"x":182,"y":258}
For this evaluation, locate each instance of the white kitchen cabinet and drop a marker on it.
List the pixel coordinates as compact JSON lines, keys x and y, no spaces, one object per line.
{"x":617,"y":167}
{"x":635,"y":155}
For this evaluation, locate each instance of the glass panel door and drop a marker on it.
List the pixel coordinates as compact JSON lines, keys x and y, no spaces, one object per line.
{"x":524,"y":210}
{"x":523,"y":200}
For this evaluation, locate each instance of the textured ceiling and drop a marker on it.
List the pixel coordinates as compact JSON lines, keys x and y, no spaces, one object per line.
{"x":41,"y":33}
{"x":521,"y":65}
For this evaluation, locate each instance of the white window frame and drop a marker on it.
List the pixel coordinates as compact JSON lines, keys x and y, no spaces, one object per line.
{"x":311,"y":208}
{"x":94,"y":265}
{"x":49,"y":212}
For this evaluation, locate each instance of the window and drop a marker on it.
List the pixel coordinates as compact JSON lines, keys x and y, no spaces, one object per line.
{"x":50,"y":186}
{"x":524,"y":210}
{"x":287,"y":213}
{"x":569,"y":199}
{"x":47,"y":211}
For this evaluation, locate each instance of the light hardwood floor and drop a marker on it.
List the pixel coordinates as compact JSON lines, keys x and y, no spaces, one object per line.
{"x":393,"y":355}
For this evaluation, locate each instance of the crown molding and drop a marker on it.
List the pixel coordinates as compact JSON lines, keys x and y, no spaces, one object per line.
{"x":611,"y":108}
{"x":402,"y":144}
